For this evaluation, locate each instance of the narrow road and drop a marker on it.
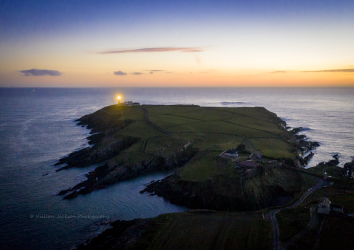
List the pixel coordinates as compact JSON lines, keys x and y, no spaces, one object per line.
{"x":153,"y":124}
{"x":273,"y":218}
{"x":146,"y":144}
{"x":253,"y":150}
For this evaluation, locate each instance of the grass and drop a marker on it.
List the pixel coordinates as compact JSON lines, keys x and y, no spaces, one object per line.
{"x":166,"y":145}
{"x":273,"y":147}
{"x":169,"y":122}
{"x":292,"y":221}
{"x":337,"y":233}
{"x":334,"y":171}
{"x":216,"y":129}
{"x":140,"y":129}
{"x":208,"y":230}
{"x":170,"y":109}
{"x":203,"y":166}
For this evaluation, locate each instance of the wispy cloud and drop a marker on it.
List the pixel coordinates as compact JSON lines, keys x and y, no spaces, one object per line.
{"x":137,"y":73}
{"x":152,"y":71}
{"x":157,"y":49}
{"x":331,"y":71}
{"x":40,"y":72}
{"x":279,"y":72}
{"x":119,"y":73}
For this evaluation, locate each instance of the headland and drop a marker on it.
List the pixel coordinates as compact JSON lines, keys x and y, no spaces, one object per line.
{"x":240,"y":170}
{"x":133,"y":140}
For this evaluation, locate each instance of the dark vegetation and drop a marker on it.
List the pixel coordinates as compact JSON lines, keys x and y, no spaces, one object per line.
{"x":195,"y":229}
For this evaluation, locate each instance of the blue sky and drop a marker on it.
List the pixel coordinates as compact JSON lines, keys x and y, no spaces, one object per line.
{"x":237,"y":37}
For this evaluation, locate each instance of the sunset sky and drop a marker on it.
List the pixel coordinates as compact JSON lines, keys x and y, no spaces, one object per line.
{"x":176,"y":43}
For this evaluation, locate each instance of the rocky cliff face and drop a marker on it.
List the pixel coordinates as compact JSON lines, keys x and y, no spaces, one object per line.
{"x":89,"y":156}
{"x":230,"y":194}
{"x":99,"y":179}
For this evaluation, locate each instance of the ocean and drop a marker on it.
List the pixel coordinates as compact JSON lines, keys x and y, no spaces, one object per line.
{"x":37,"y":128}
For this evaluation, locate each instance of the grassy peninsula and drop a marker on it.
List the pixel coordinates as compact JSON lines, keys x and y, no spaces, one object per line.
{"x":135,"y":140}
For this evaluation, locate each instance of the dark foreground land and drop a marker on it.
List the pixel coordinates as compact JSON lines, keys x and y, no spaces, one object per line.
{"x":234,"y":194}
{"x":188,"y":230}
{"x":300,"y":226}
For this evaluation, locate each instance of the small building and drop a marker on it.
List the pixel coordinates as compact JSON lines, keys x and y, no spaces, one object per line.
{"x":324,"y":207}
{"x":231,"y":153}
{"x":130,"y":103}
{"x":327,"y":207}
{"x":337,"y":208}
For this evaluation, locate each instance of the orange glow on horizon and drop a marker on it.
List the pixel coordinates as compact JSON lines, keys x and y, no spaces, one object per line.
{"x":196,"y":78}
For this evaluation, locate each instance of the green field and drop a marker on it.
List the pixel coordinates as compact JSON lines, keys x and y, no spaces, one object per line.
{"x":209,"y":128}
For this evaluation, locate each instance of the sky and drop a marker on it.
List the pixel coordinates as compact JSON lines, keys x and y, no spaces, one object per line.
{"x":133,"y":43}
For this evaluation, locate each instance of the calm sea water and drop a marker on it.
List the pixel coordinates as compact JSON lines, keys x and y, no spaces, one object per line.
{"x":37,"y":128}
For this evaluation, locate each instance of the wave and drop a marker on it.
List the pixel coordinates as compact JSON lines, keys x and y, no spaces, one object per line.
{"x":305,"y":129}
{"x":230,"y":103}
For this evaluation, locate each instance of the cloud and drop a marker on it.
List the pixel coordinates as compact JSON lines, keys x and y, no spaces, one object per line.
{"x":40,"y":72}
{"x":157,"y":49}
{"x":155,"y":70}
{"x":119,"y":73}
{"x":331,"y":71}
{"x":137,"y":73}
{"x":319,"y":71}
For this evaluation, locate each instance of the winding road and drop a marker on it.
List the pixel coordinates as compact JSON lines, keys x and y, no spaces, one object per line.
{"x":273,"y":218}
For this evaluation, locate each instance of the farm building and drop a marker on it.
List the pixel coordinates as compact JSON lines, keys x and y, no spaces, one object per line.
{"x":324,"y":207}
{"x":337,"y":208}
{"x":327,"y":207}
